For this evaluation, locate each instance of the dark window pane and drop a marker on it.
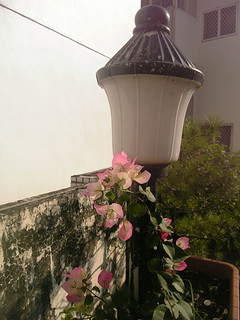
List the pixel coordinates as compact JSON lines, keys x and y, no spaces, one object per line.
{"x":210,"y":25}
{"x":228,"y":20}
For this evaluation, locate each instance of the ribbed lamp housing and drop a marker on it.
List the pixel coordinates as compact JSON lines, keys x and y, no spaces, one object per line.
{"x":149,"y":83}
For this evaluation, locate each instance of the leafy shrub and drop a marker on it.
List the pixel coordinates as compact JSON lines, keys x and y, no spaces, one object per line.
{"x":201,"y":193}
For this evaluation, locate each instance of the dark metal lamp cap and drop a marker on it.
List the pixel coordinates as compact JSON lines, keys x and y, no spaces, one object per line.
{"x":150,"y":50}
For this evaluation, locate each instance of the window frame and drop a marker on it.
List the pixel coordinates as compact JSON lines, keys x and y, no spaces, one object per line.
{"x":218,"y":9}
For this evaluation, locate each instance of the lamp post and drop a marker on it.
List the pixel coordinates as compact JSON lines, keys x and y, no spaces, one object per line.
{"x":149,"y":83}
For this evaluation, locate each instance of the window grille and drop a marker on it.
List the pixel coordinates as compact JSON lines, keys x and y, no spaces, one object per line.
{"x":220,"y":22}
{"x":228,"y":20}
{"x":210,"y":25}
{"x":167,"y":3}
{"x":164,"y":3}
{"x":226,"y":136}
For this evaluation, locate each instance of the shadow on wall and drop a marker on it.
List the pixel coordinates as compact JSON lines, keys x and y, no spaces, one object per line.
{"x":44,"y":237}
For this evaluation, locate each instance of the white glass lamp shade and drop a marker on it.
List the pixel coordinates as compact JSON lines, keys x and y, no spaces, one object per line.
{"x":148,"y":114}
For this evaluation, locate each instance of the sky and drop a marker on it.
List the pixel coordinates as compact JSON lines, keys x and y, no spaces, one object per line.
{"x":55,"y":120}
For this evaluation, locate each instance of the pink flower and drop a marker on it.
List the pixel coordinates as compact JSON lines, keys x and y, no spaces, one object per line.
{"x":105,"y":278}
{"x":167,"y":221}
{"x":125,"y":230}
{"x":122,"y":179}
{"x":164,"y":235}
{"x":121,"y":159}
{"x":136,"y":174}
{"x":74,"y":285}
{"x":106,"y":175}
{"x":183,"y":243}
{"x":180,"y":266}
{"x":95,"y":190}
{"x":112,"y":212}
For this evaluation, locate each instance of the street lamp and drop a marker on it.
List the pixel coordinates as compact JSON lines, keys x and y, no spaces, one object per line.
{"x":149,"y":83}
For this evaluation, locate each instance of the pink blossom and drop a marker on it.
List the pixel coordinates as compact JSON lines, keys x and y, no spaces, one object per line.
{"x":183,"y":243}
{"x":125,"y":230}
{"x":112,"y":212}
{"x":180,"y":266}
{"x":125,"y":171}
{"x":138,"y":176}
{"x":143,"y":177}
{"x":105,"y":278}
{"x":95,"y":190}
{"x":122,"y":179}
{"x":164,"y":235}
{"x":121,"y":159}
{"x":107,"y":174}
{"x":167,"y":221}
{"x":74,"y":285}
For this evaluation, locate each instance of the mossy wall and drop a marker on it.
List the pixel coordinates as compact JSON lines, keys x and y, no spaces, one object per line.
{"x":42,"y":238}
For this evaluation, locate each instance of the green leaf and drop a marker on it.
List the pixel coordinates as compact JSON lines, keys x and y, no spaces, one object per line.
{"x":185,"y":309}
{"x":165,"y":280}
{"x":161,"y":313}
{"x":155,"y":265}
{"x":178,"y":283}
{"x":169,"y":249}
{"x":164,"y":228}
{"x":88,"y":300}
{"x":180,"y":255}
{"x":175,"y":311}
{"x":154,"y":221}
{"x":96,"y":289}
{"x":123,"y":198}
{"x":147,"y":193}
{"x":110,"y":195}
{"x":136,"y":209}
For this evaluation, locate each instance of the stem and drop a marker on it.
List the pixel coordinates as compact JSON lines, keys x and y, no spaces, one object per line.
{"x":192,"y":298}
{"x":167,"y":296}
{"x":96,"y":295}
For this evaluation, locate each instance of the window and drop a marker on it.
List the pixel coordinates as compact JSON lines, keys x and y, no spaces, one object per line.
{"x":210,"y":25}
{"x":163,"y":3}
{"x":189,"y":6}
{"x":226,"y":136}
{"x":228,"y":20}
{"x":220,"y":22}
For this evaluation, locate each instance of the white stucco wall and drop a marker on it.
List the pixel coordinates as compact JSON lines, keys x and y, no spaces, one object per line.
{"x":55,"y":120}
{"x":184,"y":28}
{"x":220,"y":61}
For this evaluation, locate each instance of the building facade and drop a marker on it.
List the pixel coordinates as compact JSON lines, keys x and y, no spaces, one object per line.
{"x":208,"y":33}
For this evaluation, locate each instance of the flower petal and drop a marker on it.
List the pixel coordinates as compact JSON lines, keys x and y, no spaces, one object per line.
{"x":125,"y":230}
{"x":101,"y":210}
{"x":104,"y":279}
{"x":143,"y":177}
{"x":183,"y":243}
{"x":180,"y":266}
{"x":120,"y":159}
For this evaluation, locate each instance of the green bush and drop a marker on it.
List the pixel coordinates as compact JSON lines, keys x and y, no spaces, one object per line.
{"x":201,"y":193}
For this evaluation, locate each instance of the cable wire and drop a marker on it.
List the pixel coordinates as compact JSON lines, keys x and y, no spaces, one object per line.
{"x":59,"y":33}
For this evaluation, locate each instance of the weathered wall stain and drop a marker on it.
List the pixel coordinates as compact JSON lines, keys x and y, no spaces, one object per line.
{"x":42,"y":238}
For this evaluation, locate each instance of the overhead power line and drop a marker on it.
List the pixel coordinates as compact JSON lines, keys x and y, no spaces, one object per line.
{"x":59,"y":33}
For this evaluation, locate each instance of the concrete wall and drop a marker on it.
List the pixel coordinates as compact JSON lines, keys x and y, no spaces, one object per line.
{"x":184,"y":32}
{"x":40,"y":239}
